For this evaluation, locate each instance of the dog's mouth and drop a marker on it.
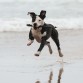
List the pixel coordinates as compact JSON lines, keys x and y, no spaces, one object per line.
{"x":35,"y":27}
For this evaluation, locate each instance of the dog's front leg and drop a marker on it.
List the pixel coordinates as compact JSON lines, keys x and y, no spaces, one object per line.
{"x":31,"y":38}
{"x":43,"y":42}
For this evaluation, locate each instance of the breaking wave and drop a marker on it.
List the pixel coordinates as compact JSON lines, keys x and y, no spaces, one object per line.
{"x":18,"y":24}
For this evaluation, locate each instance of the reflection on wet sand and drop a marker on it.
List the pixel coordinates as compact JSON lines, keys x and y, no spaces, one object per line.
{"x":37,"y":82}
{"x":60,"y":71}
{"x":50,"y":77}
{"x":59,"y":75}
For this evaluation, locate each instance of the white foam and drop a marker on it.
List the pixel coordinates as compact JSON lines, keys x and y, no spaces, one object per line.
{"x":67,"y":23}
{"x":18,"y":24}
{"x":14,"y":25}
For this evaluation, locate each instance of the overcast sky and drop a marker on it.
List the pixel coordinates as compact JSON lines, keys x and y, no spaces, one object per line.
{"x":54,"y":8}
{"x":37,"y":0}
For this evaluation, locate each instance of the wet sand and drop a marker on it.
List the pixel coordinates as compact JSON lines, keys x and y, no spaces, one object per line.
{"x":19,"y":65}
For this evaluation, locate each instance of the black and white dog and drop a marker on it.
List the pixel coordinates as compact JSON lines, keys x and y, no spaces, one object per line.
{"x":42,"y":32}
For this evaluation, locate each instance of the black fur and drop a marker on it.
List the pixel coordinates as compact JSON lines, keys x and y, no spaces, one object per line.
{"x":42,"y":14}
{"x":50,"y":32}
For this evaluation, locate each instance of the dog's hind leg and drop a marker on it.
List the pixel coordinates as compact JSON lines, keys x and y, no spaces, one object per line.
{"x":49,"y":47}
{"x":55,"y":38}
{"x":43,"y":42}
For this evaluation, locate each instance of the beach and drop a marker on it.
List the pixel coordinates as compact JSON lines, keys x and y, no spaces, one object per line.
{"x":19,"y":65}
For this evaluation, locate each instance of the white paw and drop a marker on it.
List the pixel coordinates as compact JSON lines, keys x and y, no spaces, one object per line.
{"x":60,"y":53}
{"x":29,"y":42}
{"x":37,"y":54}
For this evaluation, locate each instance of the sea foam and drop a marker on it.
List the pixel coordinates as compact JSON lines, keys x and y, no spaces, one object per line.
{"x":18,"y":24}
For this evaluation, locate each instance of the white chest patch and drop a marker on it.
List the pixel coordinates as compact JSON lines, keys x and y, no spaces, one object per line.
{"x":37,"y":34}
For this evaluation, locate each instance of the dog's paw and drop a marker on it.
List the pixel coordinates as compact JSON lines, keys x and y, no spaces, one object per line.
{"x":60,"y":53}
{"x":29,"y":42}
{"x":37,"y":54}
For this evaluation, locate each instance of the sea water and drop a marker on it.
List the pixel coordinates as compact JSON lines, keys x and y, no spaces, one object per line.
{"x":64,"y":14}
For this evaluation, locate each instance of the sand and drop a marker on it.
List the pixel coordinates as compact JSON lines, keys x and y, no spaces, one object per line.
{"x":19,"y":65}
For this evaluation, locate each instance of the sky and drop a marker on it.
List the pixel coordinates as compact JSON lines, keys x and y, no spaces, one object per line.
{"x":37,"y":0}
{"x":55,"y":8}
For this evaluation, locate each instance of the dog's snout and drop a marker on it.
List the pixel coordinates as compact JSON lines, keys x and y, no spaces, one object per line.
{"x":35,"y":24}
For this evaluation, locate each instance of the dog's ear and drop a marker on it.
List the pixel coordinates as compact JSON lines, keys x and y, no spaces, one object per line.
{"x":32,"y":14}
{"x":42,"y":14}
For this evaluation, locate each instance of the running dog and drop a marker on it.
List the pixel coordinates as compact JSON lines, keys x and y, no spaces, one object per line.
{"x":42,"y":32}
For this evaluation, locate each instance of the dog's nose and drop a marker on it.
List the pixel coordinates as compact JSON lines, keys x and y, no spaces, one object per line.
{"x":35,"y":24}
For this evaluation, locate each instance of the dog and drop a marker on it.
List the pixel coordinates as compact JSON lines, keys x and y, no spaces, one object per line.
{"x":42,"y":32}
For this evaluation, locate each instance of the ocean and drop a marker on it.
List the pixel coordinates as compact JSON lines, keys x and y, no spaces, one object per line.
{"x":65,"y":14}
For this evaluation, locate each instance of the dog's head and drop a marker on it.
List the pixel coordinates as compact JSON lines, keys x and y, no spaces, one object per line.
{"x":37,"y":20}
